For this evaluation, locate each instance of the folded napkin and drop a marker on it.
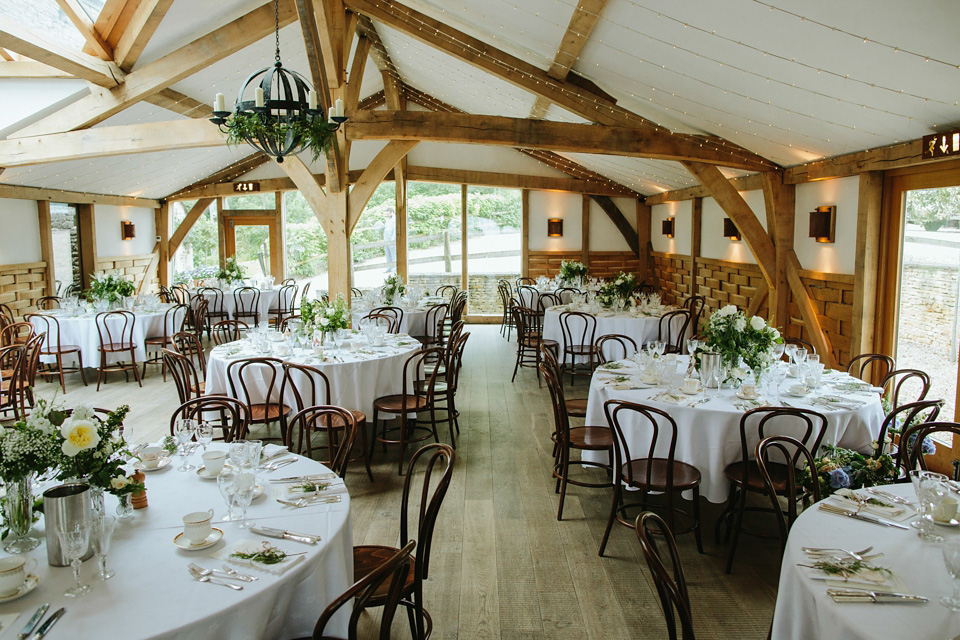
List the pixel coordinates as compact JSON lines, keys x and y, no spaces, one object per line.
{"x":252,"y":546}
{"x":292,"y":491}
{"x":848,"y":499}
{"x":872,"y":579}
{"x":271,"y":451}
{"x":835,"y":402}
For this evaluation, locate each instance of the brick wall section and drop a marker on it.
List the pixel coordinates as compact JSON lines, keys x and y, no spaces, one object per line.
{"x":21,"y":285}
{"x":603,"y":264}
{"x":833,"y":297}
{"x":673,"y":276}
{"x":132,"y":267}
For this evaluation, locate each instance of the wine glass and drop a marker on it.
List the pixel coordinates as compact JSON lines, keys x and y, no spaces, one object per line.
{"x":101,"y":535}
{"x":226,"y":482}
{"x":253,"y":452}
{"x":74,"y":538}
{"x":660,"y":347}
{"x":204,"y":434}
{"x":245,"y":485}
{"x":338,"y":337}
{"x":237,"y":452}
{"x":790,"y":349}
{"x":692,"y":345}
{"x":184,"y":430}
{"x":800,"y":355}
{"x":930,"y":489}
{"x":777,"y":375}
{"x":951,"y":558}
{"x":778,"y":349}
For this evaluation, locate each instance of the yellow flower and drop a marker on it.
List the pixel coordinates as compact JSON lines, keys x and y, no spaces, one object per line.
{"x":79,"y":435}
{"x":119,"y":482}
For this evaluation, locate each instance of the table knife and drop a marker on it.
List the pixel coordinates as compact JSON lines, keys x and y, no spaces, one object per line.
{"x":866,"y":518}
{"x":842,"y":595}
{"x":45,"y":627}
{"x":308,"y":478}
{"x":285,"y":535}
{"x":34,"y":621}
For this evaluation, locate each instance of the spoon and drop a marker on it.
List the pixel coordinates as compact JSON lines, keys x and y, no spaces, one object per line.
{"x":203,"y":578}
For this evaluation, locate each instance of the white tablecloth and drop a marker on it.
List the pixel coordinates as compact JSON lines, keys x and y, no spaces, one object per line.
{"x":153,"y":596}
{"x":414,"y":321}
{"x":268,"y":300}
{"x":709,"y":433}
{"x":641,"y":328}
{"x":82,"y":331}
{"x":356,"y":378}
{"x":804,"y":611}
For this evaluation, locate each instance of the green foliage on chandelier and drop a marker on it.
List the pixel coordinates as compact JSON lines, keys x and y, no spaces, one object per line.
{"x":314,"y":133}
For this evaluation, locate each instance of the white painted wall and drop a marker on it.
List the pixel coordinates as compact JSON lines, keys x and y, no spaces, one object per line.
{"x":713,"y":244}
{"x":604,"y":235}
{"x":682,"y":213}
{"x":108,"y":219}
{"x":839,"y":256}
{"x":20,"y":237}
{"x":555,"y":204}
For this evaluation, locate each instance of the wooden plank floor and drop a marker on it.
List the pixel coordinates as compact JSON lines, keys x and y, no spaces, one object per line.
{"x":502,"y":566}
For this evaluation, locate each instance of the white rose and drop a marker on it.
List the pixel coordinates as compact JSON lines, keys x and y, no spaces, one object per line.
{"x":728,"y":310}
{"x":325,"y":321}
{"x":83,"y":412}
{"x":740,"y":323}
{"x":757,"y":323}
{"x":776,"y":333}
{"x":78,"y":435}
{"x":119,"y":482}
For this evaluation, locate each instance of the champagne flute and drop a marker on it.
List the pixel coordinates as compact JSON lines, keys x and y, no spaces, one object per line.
{"x":777,"y":375}
{"x":951,"y":558}
{"x":101,"y":536}
{"x":73,"y":543}
{"x":245,"y":485}
{"x":184,"y":430}
{"x":226,"y":483}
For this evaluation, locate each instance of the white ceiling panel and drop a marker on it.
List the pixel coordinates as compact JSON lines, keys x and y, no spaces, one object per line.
{"x":141,"y":113}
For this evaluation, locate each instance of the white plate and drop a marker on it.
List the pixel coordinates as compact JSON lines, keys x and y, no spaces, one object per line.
{"x":28,"y":585}
{"x":183,"y":543}
{"x":164,"y":461}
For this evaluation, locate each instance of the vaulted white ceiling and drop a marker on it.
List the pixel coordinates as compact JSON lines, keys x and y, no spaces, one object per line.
{"x":792,"y":82}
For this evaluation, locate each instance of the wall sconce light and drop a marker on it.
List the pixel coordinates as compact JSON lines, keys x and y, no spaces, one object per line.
{"x":730,"y":230}
{"x":667,"y":227}
{"x":127,"y":230}
{"x":555,"y":227}
{"x":823,"y":223}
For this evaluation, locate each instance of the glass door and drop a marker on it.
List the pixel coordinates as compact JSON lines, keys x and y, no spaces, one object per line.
{"x":494,"y":245}
{"x":252,"y":240}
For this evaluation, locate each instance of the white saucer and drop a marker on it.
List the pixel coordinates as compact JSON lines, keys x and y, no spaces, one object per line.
{"x":755,"y":396}
{"x":164,"y":461}
{"x":183,"y":543}
{"x":257,"y":491}
{"x":28,"y":585}
{"x":691,"y":393}
{"x":952,"y":523}
{"x":794,"y":394}
{"x":202,"y":472}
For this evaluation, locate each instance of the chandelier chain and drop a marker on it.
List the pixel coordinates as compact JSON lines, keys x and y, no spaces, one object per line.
{"x":276,"y":27}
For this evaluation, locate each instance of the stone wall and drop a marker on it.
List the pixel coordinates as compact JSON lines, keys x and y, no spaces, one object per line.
{"x":927,"y":295}
{"x":21,"y":285}
{"x":482,"y":296}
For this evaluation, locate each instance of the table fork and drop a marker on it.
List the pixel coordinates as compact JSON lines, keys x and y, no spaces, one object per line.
{"x":202,"y":578}
{"x":214,"y":572}
{"x":856,"y":555}
{"x":273,"y":466}
{"x":305,"y":502}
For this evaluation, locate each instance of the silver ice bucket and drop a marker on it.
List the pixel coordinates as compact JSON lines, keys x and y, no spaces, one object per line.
{"x":64,"y":506}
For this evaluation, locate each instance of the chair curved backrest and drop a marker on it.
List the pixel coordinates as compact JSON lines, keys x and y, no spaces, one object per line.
{"x":776,"y":454}
{"x":184,"y":374}
{"x":546,"y":301}
{"x":695,"y":304}
{"x":229,"y":331}
{"x":578,"y":329}
{"x":627,"y":344}
{"x":181,"y":293}
{"x":13,"y":358}
{"x":233,"y":415}
{"x":287,"y":299}
{"x":50,"y":325}
{"x":909,"y":378}
{"x":263,"y":370}
{"x":214,"y":297}
{"x":391,"y":321}
{"x":916,"y":458}
{"x":437,"y":459}
{"x":565,"y":294}
{"x":670,"y":583}
{"x":447,"y":290}
{"x":457,"y":306}
{"x":672,"y":335}
{"x":524,"y":281}
{"x":198,"y":315}
{"x":434,"y":322}
{"x":805,"y":425}
{"x":645,"y":287}
{"x":310,"y":388}
{"x":188,"y":344}
{"x":396,"y":312}
{"x":48,"y":303}
{"x":173,"y":320}
{"x":303,"y":295}
{"x":656,"y":424}
{"x":903,"y":419}
{"x":16,"y":333}
{"x":246,"y":303}
{"x":394,"y":569}
{"x":800,"y":342}
{"x":878,"y":364}
{"x":340,"y":427}
{"x":115,"y":329}
{"x":527,"y":295}
{"x":355,"y":292}
{"x":288,"y":321}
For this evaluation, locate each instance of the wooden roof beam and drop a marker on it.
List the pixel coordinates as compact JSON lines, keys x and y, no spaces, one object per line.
{"x":78,"y":17}
{"x":141,"y":27}
{"x":18,"y":39}
{"x":164,"y":72}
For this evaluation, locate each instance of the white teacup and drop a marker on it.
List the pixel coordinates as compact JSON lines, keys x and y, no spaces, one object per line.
{"x":946,"y":510}
{"x":213,"y":461}
{"x":196,"y":526}
{"x":691,"y":385}
{"x":798,"y":389}
{"x":13,"y":573}
{"x":150,"y":456}
{"x":748,"y":390}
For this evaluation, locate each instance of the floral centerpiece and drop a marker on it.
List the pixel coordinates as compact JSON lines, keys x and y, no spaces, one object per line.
{"x":734,"y":336}
{"x":110,"y":288}
{"x":840,"y":468}
{"x":392,"y":287}
{"x":620,"y":289}
{"x":572,"y":272}
{"x":323,"y":316}
{"x":231,"y":271}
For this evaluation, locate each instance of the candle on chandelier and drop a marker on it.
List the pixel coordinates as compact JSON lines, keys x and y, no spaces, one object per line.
{"x":312,"y":100}
{"x":339,"y":107}
{"x":331,"y":113}
{"x":218,"y":104}
{"x":258,"y":96}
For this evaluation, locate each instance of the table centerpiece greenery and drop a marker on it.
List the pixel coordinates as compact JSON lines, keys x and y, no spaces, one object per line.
{"x":324,"y":316}
{"x":618,"y":290}
{"x":840,"y":468}
{"x":734,"y":336}
{"x":231,"y":272}
{"x":572,"y":273}
{"x":109,"y":287}
{"x":392,"y":287}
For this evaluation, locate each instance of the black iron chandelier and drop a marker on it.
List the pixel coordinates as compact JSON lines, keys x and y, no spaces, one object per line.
{"x":284,"y":116}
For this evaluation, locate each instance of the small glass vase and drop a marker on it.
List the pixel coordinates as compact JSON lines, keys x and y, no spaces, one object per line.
{"x":125,"y":506}
{"x":18,"y":515}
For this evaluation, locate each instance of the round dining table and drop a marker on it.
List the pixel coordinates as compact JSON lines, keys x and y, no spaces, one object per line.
{"x":414,"y":321}
{"x":708,"y":423}
{"x":642,"y":326}
{"x":804,"y":610}
{"x":358,"y":375}
{"x":268,"y":300}
{"x":153,"y":596}
{"x":81,"y":330}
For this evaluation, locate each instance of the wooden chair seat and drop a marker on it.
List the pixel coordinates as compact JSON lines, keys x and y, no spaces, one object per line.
{"x":400,"y":403}
{"x":735,"y":473}
{"x":591,"y":438}
{"x":200,"y":388}
{"x":158,"y":341}
{"x":582,"y":349}
{"x":267,"y":413}
{"x":110,"y":347}
{"x":368,"y":557}
{"x":577,"y":407}
{"x":685,"y":476}
{"x":535,"y":342}
{"x":63,"y":348}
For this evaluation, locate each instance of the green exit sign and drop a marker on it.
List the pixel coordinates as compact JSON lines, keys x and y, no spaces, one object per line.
{"x":245,"y":187}
{"x":939,"y":145}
